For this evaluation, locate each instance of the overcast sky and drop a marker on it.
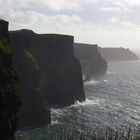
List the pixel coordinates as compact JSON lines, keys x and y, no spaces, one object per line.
{"x":108,"y":23}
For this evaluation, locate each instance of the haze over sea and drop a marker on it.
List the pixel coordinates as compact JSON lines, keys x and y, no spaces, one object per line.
{"x":112,"y":100}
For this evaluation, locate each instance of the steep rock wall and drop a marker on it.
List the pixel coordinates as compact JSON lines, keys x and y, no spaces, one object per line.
{"x":34,"y":109}
{"x":92,"y":62}
{"x":60,"y":70}
{"x":60,"y":73}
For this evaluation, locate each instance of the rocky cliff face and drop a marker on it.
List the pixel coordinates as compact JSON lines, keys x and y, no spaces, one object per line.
{"x":118,"y":54}
{"x":92,"y":62}
{"x":9,"y":91}
{"x":60,"y":73}
{"x":34,"y":109}
{"x":60,"y":70}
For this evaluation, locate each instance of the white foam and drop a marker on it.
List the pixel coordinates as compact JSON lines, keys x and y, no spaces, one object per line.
{"x":91,"y":82}
{"x":76,"y":104}
{"x":55,"y":110}
{"x":58,"y":113}
{"x":54,"y":122}
{"x":110,"y":72}
{"x":106,"y":81}
{"x":86,"y":102}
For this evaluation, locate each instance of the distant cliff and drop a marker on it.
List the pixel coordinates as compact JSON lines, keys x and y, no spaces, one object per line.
{"x":118,"y":54}
{"x":10,"y":97}
{"x":60,"y":73}
{"x":91,"y":60}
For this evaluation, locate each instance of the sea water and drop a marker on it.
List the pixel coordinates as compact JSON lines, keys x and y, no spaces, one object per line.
{"x":112,"y":101}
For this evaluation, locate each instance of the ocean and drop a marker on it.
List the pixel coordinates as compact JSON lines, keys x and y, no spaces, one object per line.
{"x":112,"y":101}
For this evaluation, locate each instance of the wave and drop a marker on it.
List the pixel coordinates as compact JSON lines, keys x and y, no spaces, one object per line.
{"x":53,"y":122}
{"x":76,"y":104}
{"x":93,"y":82}
{"x":106,"y":81}
{"x":110,"y":72}
{"x":56,"y":114}
{"x":86,"y":102}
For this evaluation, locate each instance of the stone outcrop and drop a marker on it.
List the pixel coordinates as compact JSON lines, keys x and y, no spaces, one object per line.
{"x":60,"y":73}
{"x":4,"y":35}
{"x":118,"y":54}
{"x":9,"y":92}
{"x":92,"y":62}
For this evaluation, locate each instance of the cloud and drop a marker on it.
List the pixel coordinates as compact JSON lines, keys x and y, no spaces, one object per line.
{"x":111,"y":9}
{"x":42,"y":23}
{"x":129,"y":3}
{"x":119,"y":5}
{"x":118,"y":21}
{"x":62,"y":4}
{"x":29,"y":14}
{"x":54,"y":5}
{"x":114,"y":20}
{"x":127,"y":23}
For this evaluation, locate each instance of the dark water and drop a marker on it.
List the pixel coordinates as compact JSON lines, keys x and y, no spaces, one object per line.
{"x":112,"y":100}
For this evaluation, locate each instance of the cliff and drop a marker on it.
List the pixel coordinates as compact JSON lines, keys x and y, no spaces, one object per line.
{"x":9,"y":92}
{"x":34,"y":109}
{"x":60,"y":73}
{"x":91,"y":60}
{"x":118,"y":54}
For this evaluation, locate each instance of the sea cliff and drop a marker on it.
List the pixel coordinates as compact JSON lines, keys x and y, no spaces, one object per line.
{"x":91,"y":60}
{"x":34,"y":109}
{"x":59,"y":80}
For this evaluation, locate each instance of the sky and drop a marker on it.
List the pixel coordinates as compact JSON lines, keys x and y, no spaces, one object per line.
{"x":108,"y":23}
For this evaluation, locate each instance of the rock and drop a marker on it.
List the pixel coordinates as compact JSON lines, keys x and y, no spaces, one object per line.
{"x":4,"y":35}
{"x":61,"y":72}
{"x":92,"y":62}
{"x":60,"y":80}
{"x":34,"y":110}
